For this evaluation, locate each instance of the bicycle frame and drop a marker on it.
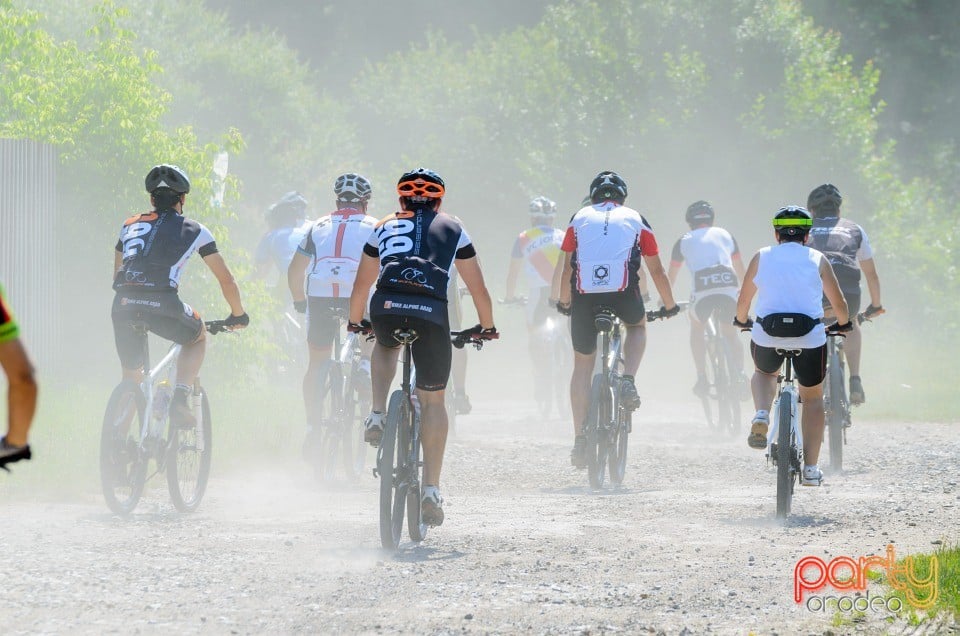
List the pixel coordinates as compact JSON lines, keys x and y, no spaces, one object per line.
{"x":786,"y":387}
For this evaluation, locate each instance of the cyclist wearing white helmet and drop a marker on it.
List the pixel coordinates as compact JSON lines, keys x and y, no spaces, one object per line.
{"x":321,"y":277}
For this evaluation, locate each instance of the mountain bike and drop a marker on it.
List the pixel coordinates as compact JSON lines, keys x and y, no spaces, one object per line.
{"x":136,"y":431}
{"x":341,"y":401}
{"x":608,"y":424}
{"x":723,"y":381}
{"x":399,"y":464}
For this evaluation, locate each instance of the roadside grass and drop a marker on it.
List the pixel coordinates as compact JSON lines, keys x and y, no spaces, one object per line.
{"x":912,"y":585}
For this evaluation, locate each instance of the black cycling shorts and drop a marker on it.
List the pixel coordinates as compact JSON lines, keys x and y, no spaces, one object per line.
{"x":853,"y":303}
{"x":810,"y":367}
{"x":626,"y":305}
{"x":164,"y":315}
{"x":721,"y":305}
{"x":323,"y":320}
{"x":431,"y":350}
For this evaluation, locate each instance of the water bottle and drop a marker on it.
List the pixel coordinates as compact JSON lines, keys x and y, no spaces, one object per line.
{"x":161,"y":402}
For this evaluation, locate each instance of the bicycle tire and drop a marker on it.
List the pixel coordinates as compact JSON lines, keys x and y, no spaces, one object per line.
{"x":391,"y":522}
{"x":706,"y":399}
{"x":728,"y":393}
{"x":327,"y":395}
{"x":785,"y":442}
{"x":188,"y":464}
{"x":410,"y":449}
{"x":352,"y":412}
{"x":597,"y":432}
{"x":618,"y":458}
{"x":835,"y":406}
{"x":123,"y":467}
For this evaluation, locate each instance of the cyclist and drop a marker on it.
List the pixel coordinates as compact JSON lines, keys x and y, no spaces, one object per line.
{"x":331,"y":251}
{"x":150,"y":255}
{"x":409,"y":256}
{"x":847,"y":247}
{"x":713,"y":258}
{"x":604,"y":243}
{"x":537,"y":251}
{"x":286,"y":220}
{"x":789,"y":280}
{"x":21,"y":388}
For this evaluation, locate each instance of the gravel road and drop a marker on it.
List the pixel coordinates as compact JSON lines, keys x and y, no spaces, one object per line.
{"x":689,"y":545}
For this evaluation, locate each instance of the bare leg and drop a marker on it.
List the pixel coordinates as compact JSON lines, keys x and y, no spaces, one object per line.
{"x":811,"y":397}
{"x":634,"y":344}
{"x":764,"y":386}
{"x":383,"y":366}
{"x":580,"y":388}
{"x":852,"y":345}
{"x":433,"y":434}
{"x":21,"y":392}
{"x":731,"y":335}
{"x":191,"y":359}
{"x":317,"y":358}
{"x":698,"y":347}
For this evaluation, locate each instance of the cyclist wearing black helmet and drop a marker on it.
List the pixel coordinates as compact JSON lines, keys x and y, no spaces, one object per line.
{"x":713,"y":258}
{"x":847,"y":247}
{"x":604,"y":244}
{"x":150,"y":255}
{"x":789,"y":280}
{"x":409,"y":256}
{"x":286,"y":220}
{"x":320,"y":278}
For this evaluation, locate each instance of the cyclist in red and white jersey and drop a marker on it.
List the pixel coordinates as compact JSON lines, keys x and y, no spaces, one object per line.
{"x":409,"y":256}
{"x":713,"y":258}
{"x":150,"y":255}
{"x":604,"y":243}
{"x":321,"y":277}
{"x":846,"y":246}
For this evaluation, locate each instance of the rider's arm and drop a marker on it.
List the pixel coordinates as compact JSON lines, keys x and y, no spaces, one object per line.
{"x":295,"y":274}
{"x":660,"y":280}
{"x":472,"y":277}
{"x":366,"y":276}
{"x":565,"y":292}
{"x":512,"y":275}
{"x":117,"y":262}
{"x":748,"y":289}
{"x":869,"y":269}
{"x":672,"y":272}
{"x":228,"y":284}
{"x":738,"y":265}
{"x":831,"y":289}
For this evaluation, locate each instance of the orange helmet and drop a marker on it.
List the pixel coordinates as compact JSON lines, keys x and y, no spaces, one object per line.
{"x":421,"y":183}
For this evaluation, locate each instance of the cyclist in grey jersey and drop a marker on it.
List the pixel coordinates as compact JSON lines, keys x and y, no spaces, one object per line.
{"x":846,"y":246}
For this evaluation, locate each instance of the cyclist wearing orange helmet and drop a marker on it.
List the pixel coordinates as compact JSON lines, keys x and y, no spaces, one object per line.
{"x":409,"y":256}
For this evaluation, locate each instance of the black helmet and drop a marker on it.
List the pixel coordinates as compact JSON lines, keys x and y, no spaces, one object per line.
{"x":700,"y":213}
{"x":288,"y":211}
{"x":825,"y":200}
{"x":608,"y":185}
{"x":542,"y":206}
{"x":421,"y":183}
{"x":167,"y":176}
{"x":793,"y":220}
{"x":352,"y":188}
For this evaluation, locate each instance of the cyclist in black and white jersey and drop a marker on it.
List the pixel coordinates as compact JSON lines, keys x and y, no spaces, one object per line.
{"x":409,"y":256}
{"x":846,"y":246}
{"x":716,"y":268}
{"x":150,"y":255}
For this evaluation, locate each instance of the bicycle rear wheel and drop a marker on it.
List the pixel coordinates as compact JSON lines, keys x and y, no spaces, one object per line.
{"x":352,"y":412}
{"x":123,"y":468}
{"x":389,"y":466}
{"x":728,"y":393}
{"x":597,"y":433}
{"x":618,"y":448}
{"x":835,"y":406}
{"x":188,"y":462}
{"x":410,"y":450}
{"x":785,"y":442}
{"x":327,"y":396}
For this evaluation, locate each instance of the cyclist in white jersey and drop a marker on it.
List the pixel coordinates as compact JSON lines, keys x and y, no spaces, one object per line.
{"x":789,"y":280}
{"x":287,"y":224}
{"x":713,"y":258}
{"x":328,"y":257}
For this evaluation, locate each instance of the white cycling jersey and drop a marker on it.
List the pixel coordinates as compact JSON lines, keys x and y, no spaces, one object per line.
{"x":788,"y":281}
{"x":334,"y":245}
{"x":708,"y":253}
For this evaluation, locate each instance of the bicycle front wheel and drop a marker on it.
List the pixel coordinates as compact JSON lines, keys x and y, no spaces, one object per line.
{"x":389,"y":466}
{"x":188,"y":462}
{"x":123,"y":468}
{"x":835,"y":406}
{"x":785,"y":442}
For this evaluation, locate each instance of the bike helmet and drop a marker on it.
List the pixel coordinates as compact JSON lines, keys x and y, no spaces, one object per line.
{"x":793,"y":220}
{"x":608,"y":185}
{"x":289,"y":210}
{"x":542,"y":206}
{"x":167,"y":176}
{"x":421,"y":183}
{"x":352,"y":188}
{"x":700,"y":213}
{"x":824,"y":200}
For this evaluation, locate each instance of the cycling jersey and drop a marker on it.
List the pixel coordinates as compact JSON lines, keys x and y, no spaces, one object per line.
{"x":708,"y":253}
{"x":416,"y":252}
{"x":155,"y":247}
{"x":539,"y":247}
{"x":278,"y":246}
{"x":9,"y":330}
{"x":788,"y":281}
{"x":844,"y":243}
{"x":607,"y":241}
{"x":334,"y":244}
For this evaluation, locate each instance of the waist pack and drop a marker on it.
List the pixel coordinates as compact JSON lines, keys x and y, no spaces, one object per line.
{"x":788,"y":325}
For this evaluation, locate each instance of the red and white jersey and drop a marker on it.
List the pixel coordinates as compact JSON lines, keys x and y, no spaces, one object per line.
{"x":334,"y":245}
{"x":607,"y":241}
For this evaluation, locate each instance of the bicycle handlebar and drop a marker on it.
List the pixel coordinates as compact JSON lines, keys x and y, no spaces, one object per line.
{"x":459,"y":339}
{"x":659,"y":315}
{"x":217,"y":326}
